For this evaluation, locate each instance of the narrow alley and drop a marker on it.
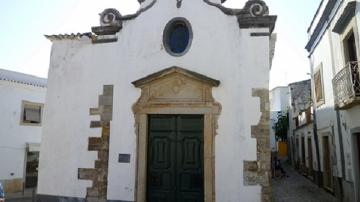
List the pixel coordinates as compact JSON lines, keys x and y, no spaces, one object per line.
{"x":297,"y":188}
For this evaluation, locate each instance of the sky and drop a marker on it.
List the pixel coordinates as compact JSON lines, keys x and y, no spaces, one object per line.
{"x":24,"y":48}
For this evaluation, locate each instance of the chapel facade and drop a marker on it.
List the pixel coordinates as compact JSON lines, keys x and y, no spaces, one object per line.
{"x":168,"y":104}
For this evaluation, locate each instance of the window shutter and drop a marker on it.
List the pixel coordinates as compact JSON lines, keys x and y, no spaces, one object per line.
{"x":318,"y":86}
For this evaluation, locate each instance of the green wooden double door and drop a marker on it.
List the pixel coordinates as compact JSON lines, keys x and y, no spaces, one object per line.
{"x":175,"y":167}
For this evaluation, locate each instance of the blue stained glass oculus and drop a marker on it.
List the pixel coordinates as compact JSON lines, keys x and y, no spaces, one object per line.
{"x":177,"y":36}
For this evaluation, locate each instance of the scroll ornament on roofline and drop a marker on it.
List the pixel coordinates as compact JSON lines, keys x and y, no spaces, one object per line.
{"x":110,"y":17}
{"x":256,"y":8}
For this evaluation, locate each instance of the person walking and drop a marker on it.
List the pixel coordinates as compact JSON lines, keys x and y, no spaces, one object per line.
{"x":278,"y":167}
{"x":2,"y":194}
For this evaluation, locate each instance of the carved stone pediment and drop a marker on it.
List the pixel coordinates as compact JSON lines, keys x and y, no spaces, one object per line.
{"x":176,"y":85}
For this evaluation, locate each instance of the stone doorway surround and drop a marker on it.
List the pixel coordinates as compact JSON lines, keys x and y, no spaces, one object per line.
{"x":176,"y":91}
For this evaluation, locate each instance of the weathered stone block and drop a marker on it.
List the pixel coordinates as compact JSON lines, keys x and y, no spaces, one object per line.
{"x":95,"y":124}
{"x":87,"y":173}
{"x":101,"y":163}
{"x":94,"y":111}
{"x":108,"y":90}
{"x":105,"y":100}
{"x":106,"y":116}
{"x":105,"y":109}
{"x":92,"y":192}
{"x":13,"y":185}
{"x":99,"y":124}
{"x":250,"y":178}
{"x":260,"y":131}
{"x":103,"y":155}
{"x":250,"y":166}
{"x":95,"y":140}
{"x":97,"y":144}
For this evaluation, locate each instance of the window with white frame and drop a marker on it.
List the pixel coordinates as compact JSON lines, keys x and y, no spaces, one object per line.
{"x":31,"y":113}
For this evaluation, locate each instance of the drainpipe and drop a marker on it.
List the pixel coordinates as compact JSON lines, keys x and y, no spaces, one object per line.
{"x":312,"y":91}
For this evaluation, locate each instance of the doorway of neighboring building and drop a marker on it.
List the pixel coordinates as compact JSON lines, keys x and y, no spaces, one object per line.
{"x":358,"y":148}
{"x":297,"y":161}
{"x":303,"y":157}
{"x":310,"y":158}
{"x":356,"y":157}
{"x":32,"y":164}
{"x":328,"y":180}
{"x":175,"y":170}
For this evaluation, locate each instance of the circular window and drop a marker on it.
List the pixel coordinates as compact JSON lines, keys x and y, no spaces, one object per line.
{"x":177,"y":36}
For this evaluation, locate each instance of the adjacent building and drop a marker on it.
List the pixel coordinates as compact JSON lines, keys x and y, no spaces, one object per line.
{"x":333,"y":48}
{"x":161,"y":105}
{"x":279,"y":106}
{"x":22,"y":105}
{"x":301,"y":138}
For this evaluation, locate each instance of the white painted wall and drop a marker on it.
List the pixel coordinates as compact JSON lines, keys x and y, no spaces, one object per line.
{"x":326,"y":115}
{"x":79,"y":69}
{"x":333,"y":62}
{"x":13,"y":136}
{"x":330,"y":52}
{"x":279,"y":98}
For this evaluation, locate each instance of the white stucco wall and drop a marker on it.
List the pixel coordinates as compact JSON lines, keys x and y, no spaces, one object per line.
{"x":79,"y":69}
{"x":279,"y":98}
{"x":325,"y":113}
{"x":13,"y":136}
{"x":350,"y":119}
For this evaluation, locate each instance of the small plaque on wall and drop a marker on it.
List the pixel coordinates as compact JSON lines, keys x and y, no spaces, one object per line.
{"x":124,"y":158}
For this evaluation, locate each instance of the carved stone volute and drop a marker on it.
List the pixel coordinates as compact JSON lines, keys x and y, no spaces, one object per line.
{"x":256,"y":8}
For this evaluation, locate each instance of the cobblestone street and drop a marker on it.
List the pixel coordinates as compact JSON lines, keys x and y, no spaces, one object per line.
{"x":297,"y":188}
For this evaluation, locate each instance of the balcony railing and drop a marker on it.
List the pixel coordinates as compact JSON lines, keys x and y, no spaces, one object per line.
{"x":346,"y":86}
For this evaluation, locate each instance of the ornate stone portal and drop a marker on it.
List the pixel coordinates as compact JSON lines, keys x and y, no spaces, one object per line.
{"x":176,"y":91}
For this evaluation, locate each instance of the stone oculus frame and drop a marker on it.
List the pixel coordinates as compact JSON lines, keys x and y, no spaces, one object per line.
{"x":176,"y":91}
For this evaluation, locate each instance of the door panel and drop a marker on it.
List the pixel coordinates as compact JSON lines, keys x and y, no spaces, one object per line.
{"x":303,"y":157}
{"x":310,"y":154}
{"x":161,"y":151}
{"x":175,"y":158}
{"x":327,"y":164}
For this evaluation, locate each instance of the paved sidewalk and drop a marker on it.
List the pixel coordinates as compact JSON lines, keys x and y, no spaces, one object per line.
{"x":297,"y":188}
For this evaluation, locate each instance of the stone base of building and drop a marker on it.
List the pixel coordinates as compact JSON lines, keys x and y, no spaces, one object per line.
{"x":49,"y":198}
{"x":13,"y":185}
{"x":343,"y":190}
{"x":318,"y":178}
{"x":338,"y":188}
{"x":348,"y":191}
